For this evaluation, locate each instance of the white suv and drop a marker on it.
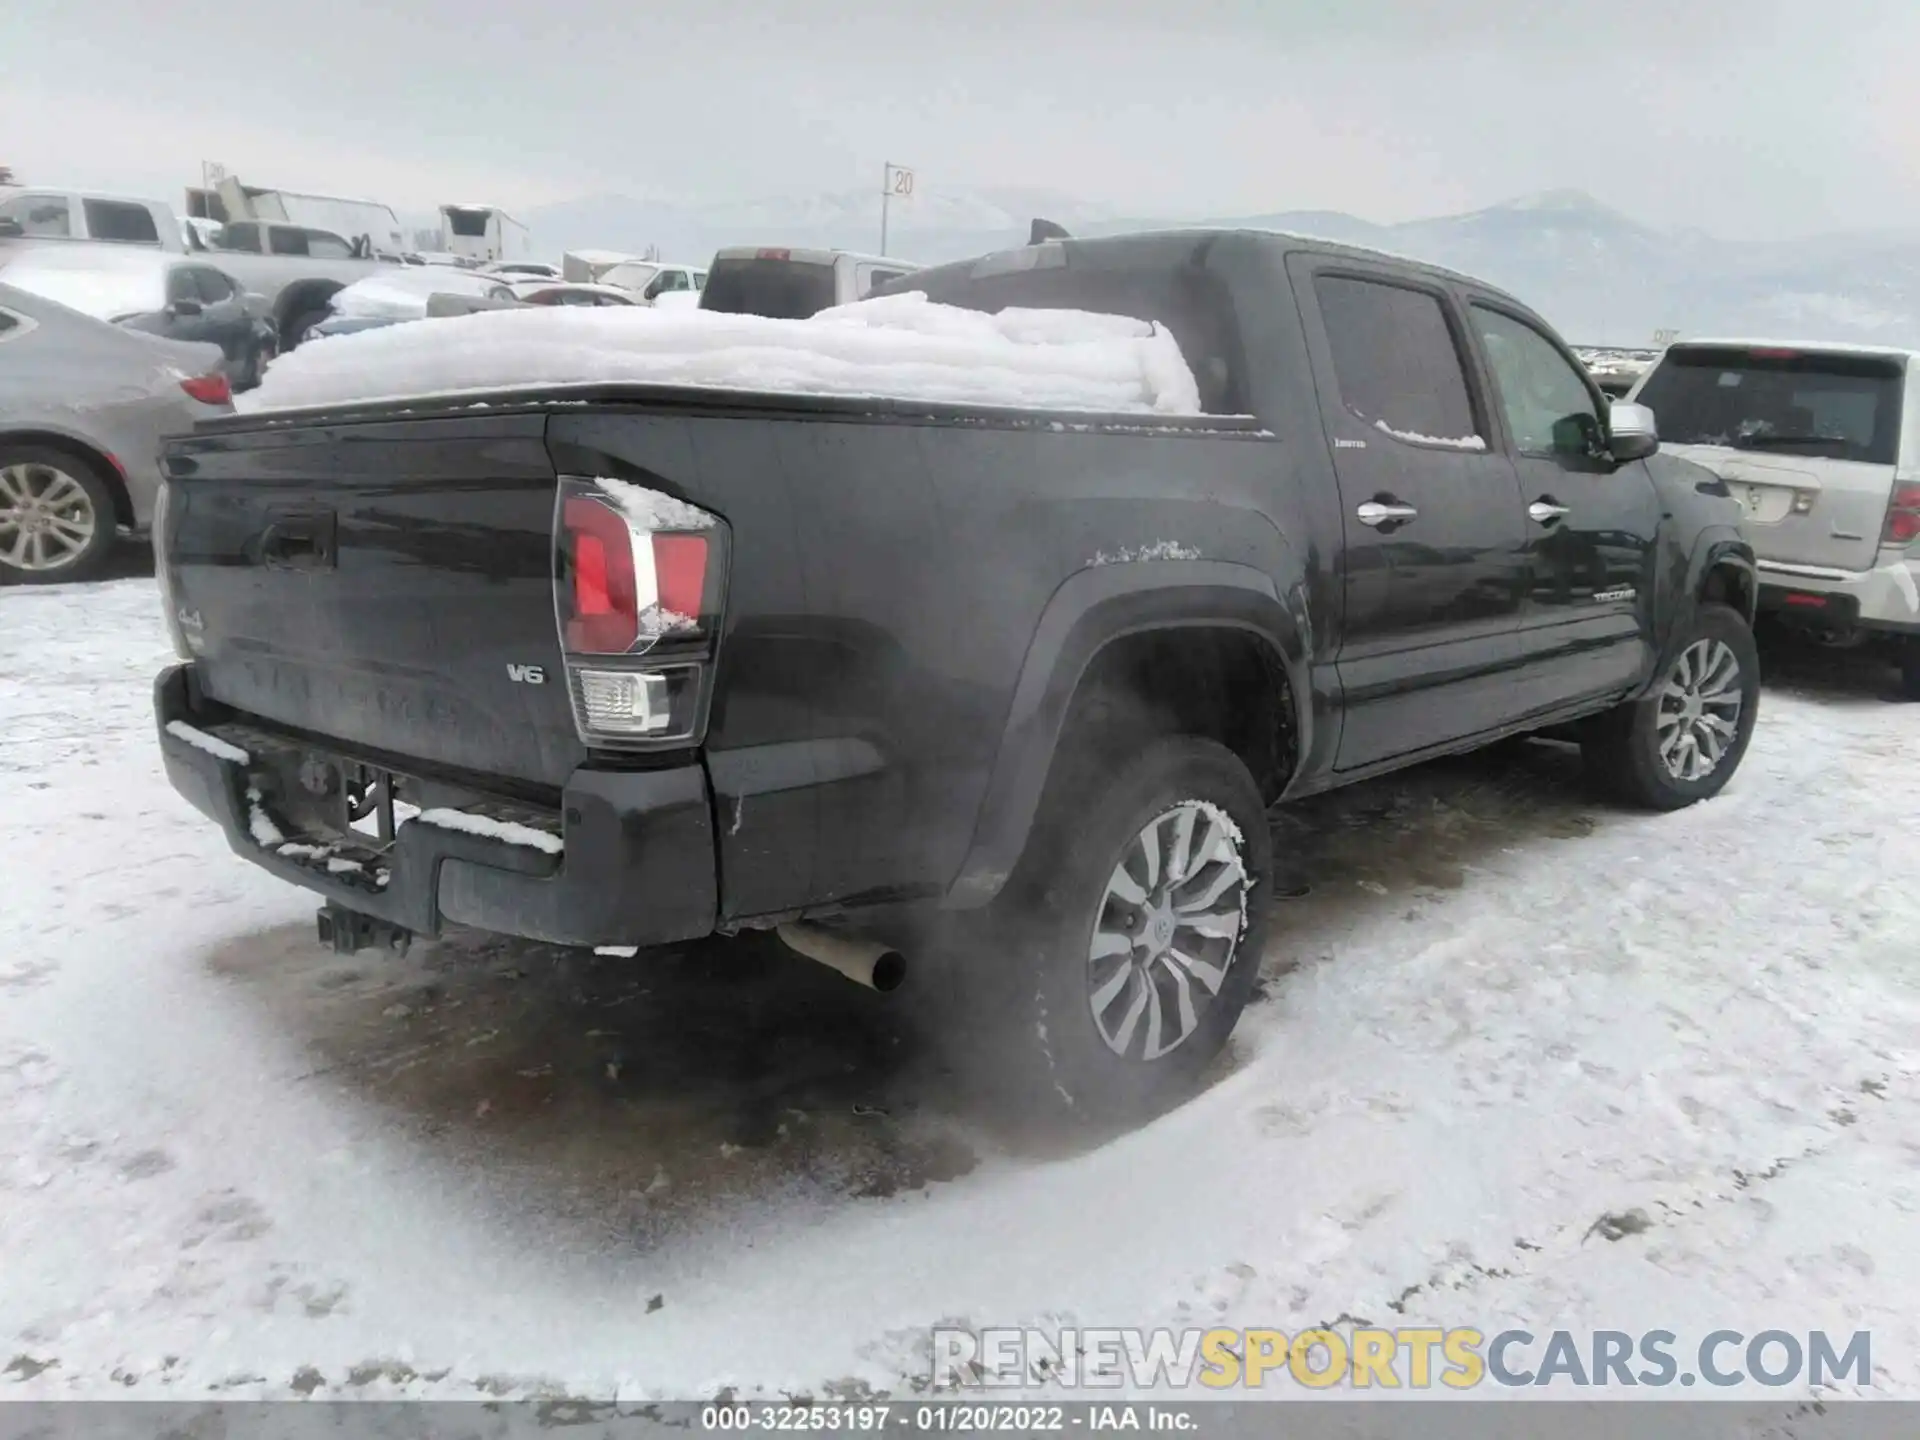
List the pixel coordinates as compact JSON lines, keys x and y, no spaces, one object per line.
{"x":1821,"y":445}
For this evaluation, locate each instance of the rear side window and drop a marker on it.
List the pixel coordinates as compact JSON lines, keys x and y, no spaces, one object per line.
{"x":285,"y":241}
{"x":1791,"y":402}
{"x":180,"y":284}
{"x":117,"y":220}
{"x":240,"y":235}
{"x":777,"y":289}
{"x":1395,"y":360}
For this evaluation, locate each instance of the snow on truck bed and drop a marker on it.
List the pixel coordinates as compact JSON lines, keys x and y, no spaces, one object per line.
{"x":899,"y":346}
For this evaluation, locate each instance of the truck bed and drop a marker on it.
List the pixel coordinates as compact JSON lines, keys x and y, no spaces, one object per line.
{"x":379,"y":578}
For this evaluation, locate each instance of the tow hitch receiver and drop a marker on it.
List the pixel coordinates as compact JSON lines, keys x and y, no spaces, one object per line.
{"x":349,"y":932}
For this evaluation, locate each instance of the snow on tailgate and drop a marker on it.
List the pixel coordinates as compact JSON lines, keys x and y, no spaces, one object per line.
{"x":899,"y":346}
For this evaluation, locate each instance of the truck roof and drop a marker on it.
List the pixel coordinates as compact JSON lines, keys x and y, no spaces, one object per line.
{"x":1186,"y":239}
{"x":6,"y":190}
{"x":809,"y":257}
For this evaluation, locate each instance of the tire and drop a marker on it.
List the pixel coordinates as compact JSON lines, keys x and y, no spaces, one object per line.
{"x":294,"y":332}
{"x":1031,"y":986}
{"x":57,"y":518}
{"x":1910,"y":672}
{"x":1624,"y":749}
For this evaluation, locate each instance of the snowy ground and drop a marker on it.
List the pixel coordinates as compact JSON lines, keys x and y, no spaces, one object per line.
{"x":230,"y":1162}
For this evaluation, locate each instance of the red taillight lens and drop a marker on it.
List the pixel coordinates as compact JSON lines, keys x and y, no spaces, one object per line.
{"x":1903,"y":516}
{"x":209,"y":389}
{"x":680,"y":573}
{"x":774,"y":255}
{"x":606,"y":611}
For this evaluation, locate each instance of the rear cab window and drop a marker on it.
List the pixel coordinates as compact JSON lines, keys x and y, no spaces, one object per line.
{"x":770,"y":284}
{"x":1189,"y":298}
{"x":1820,"y":404}
{"x":120,"y":221}
{"x":1397,"y":361}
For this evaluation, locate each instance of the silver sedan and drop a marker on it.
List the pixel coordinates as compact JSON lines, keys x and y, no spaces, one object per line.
{"x":84,"y":406}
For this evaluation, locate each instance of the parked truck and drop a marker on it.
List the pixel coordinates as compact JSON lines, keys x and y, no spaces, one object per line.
{"x":997,"y":695}
{"x":484,"y":234}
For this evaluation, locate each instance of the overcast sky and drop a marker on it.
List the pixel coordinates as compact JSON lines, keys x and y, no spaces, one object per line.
{"x":1747,"y":118}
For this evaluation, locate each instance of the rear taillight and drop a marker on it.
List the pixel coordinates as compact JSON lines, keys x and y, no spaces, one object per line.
{"x":773,"y":255}
{"x":639,"y":577}
{"x":1903,"y":516}
{"x":208,"y":389}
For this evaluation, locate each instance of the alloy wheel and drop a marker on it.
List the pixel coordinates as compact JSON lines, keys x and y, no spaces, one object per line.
{"x":1699,"y":712}
{"x":47,"y":518}
{"x":1168,"y":930}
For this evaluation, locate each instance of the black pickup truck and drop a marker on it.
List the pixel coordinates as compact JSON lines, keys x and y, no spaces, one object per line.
{"x":621,"y":666}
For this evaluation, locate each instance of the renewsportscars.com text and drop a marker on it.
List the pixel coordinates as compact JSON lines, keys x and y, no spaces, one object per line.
{"x":1408,"y":1358}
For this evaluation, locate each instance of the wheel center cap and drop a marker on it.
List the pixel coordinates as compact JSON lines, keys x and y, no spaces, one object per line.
{"x":1157,"y":933}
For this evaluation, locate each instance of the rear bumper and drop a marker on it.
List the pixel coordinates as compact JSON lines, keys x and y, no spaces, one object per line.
{"x":637,"y":865}
{"x":1885,"y":598}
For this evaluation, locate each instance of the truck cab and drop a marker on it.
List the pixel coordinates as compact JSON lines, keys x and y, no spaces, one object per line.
{"x":50,"y":215}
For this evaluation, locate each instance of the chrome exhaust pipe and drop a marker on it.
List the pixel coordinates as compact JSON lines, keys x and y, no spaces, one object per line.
{"x":865,"y":962}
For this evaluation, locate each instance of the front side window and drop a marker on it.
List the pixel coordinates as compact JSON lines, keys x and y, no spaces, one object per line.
{"x":43,"y":217}
{"x":1548,"y":406}
{"x":212,"y":285}
{"x":180,"y":285}
{"x":285,"y":241}
{"x":325,"y":246}
{"x":243,"y":236}
{"x":1396,"y":363}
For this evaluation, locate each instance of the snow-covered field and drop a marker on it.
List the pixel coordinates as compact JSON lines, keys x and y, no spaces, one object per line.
{"x":232,"y":1163}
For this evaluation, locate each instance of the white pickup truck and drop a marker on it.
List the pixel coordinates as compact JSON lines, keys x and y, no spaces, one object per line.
{"x":1820,"y":443}
{"x":292,"y":269}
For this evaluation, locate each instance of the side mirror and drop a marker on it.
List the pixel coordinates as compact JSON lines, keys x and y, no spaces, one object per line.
{"x":185,"y":309}
{"x":1632,"y":433}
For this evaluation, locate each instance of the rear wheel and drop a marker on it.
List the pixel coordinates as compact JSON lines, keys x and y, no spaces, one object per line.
{"x":1685,"y":738}
{"x":294,"y":332}
{"x":1119,"y":960}
{"x":56,"y":516}
{"x":1910,"y":671}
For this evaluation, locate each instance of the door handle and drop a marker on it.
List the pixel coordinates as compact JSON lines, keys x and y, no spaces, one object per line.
{"x":1373,"y":512}
{"x":1546,"y":510}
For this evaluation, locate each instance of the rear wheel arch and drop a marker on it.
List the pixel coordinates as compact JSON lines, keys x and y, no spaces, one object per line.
{"x":101,"y":463}
{"x":1220,"y":656}
{"x":1730,"y":581}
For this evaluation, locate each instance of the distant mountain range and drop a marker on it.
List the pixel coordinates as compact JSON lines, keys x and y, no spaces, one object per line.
{"x":1600,"y":276}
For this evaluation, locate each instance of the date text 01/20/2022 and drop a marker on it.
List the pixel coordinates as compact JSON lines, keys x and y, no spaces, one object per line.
{"x":957,"y":1417}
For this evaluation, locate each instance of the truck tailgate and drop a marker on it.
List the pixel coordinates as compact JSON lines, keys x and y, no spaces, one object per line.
{"x":386,"y":584}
